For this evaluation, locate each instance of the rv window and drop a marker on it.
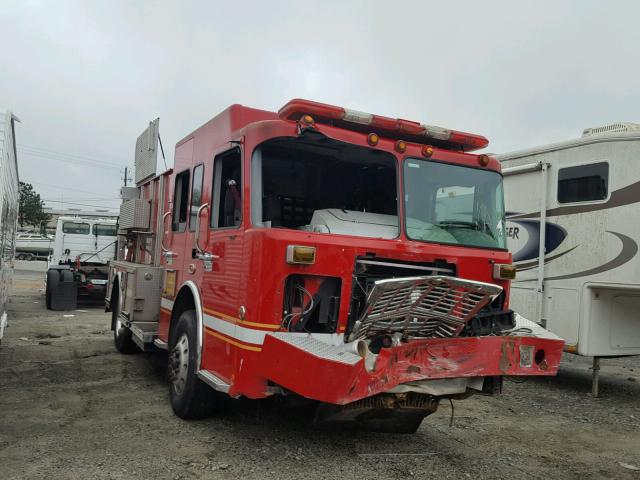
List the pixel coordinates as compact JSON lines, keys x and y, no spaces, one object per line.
{"x":583,"y":183}
{"x":75,"y":228}
{"x":321,"y":185}
{"x":180,"y":199}
{"x":196,"y":196}
{"x":226,"y":211}
{"x":104,"y":230}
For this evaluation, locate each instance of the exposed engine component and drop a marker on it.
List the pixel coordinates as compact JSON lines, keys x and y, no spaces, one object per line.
{"x":369,"y":269}
{"x":397,"y":413}
{"x":491,"y":320}
{"x":311,"y":303}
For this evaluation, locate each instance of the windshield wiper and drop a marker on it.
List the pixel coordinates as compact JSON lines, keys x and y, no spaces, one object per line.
{"x":476,"y":226}
{"x":459,"y":224}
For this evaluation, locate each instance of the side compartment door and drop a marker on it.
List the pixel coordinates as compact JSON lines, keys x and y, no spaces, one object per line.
{"x":218,"y":260}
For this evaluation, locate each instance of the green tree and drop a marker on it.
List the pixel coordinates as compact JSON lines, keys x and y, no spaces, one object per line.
{"x":31,"y":208}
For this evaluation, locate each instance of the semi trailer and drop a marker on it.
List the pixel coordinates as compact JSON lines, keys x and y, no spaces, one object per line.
{"x":9,"y":198}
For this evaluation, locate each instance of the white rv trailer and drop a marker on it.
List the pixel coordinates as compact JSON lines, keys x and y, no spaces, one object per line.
{"x":8,"y":207}
{"x":582,"y":197}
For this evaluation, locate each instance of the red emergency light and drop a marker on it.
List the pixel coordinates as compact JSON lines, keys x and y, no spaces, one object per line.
{"x":395,"y":128}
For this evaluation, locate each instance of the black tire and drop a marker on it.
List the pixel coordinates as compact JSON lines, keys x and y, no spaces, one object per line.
{"x":53,"y":278}
{"x":20,"y":256}
{"x":190,"y":397}
{"x":121,"y":334}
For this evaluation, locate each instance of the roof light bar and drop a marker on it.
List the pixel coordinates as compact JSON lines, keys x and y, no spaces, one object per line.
{"x":395,"y":128}
{"x":357,"y":117}
{"x":440,"y":133}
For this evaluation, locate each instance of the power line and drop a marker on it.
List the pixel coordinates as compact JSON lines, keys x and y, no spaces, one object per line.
{"x":63,"y":188}
{"x":74,"y":155}
{"x":82,"y":199}
{"x":83,"y":204}
{"x":72,"y":161}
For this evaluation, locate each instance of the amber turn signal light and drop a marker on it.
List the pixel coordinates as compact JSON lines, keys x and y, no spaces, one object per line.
{"x":306,"y":120}
{"x":300,"y":254}
{"x":401,"y":146}
{"x":504,"y":272}
{"x":373,"y":139}
{"x":427,"y":151}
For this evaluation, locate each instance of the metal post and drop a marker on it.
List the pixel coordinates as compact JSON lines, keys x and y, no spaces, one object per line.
{"x":596,"y":376}
{"x":542,"y":239}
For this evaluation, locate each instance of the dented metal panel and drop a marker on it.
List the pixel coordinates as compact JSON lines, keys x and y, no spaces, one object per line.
{"x":430,"y":306}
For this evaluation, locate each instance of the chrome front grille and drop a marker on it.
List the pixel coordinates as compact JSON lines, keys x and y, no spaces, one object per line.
{"x":419,"y":307}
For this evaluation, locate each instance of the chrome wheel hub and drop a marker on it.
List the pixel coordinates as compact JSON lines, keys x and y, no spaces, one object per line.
{"x":179,"y":364}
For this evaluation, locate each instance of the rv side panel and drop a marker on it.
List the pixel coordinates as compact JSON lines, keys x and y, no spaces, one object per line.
{"x":591,"y":267}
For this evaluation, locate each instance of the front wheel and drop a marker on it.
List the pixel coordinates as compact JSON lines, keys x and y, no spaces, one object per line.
{"x":190,"y":397}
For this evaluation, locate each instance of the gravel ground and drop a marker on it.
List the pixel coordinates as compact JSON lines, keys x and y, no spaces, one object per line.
{"x":72,"y":407}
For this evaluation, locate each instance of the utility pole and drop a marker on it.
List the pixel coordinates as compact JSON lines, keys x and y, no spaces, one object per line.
{"x":126,"y":178}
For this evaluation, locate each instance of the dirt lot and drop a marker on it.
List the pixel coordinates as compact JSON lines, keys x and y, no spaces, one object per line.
{"x":71,"y":407}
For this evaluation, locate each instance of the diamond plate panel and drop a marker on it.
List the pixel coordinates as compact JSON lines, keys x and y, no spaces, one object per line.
{"x":318,"y":348}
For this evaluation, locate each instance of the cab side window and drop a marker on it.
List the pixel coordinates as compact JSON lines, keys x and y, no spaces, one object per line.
{"x":196,"y":196}
{"x":227,"y":190}
{"x":180,"y":202}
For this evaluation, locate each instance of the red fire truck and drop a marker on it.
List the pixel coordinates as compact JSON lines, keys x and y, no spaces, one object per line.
{"x":351,"y":259}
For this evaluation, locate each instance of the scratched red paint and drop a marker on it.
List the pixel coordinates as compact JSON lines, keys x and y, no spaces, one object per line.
{"x":417,"y":360}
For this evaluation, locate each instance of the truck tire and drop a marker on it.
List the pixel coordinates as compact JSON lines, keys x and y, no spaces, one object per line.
{"x":121,"y":334}
{"x":190,"y":397}
{"x":53,"y":279}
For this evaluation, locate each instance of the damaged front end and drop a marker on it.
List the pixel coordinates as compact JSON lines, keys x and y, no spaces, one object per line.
{"x":415,"y":341}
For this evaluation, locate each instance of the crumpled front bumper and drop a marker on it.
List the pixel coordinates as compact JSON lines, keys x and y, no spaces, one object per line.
{"x":334,"y":374}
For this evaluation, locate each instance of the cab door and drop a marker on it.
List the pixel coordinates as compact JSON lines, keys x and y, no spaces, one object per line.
{"x":217,"y":258}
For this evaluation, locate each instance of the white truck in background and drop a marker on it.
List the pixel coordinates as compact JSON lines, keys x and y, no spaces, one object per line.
{"x":9,"y":196}
{"x":78,"y":267}
{"x":573,"y":229}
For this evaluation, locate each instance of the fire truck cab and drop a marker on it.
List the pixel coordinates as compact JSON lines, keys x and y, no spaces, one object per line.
{"x":351,"y":259}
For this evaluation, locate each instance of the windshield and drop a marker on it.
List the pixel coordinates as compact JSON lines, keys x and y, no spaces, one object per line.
{"x":446,"y":203}
{"x":321,"y":185}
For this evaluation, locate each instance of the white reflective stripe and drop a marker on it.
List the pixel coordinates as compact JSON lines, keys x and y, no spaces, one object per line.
{"x":165,"y":303}
{"x":247,"y":335}
{"x":256,"y":337}
{"x":251,"y":335}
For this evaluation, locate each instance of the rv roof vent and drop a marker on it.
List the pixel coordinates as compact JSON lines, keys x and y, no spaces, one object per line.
{"x":612,"y":128}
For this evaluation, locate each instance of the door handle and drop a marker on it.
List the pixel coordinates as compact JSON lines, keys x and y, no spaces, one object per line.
{"x":164,"y":219}
{"x":196,"y":240}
